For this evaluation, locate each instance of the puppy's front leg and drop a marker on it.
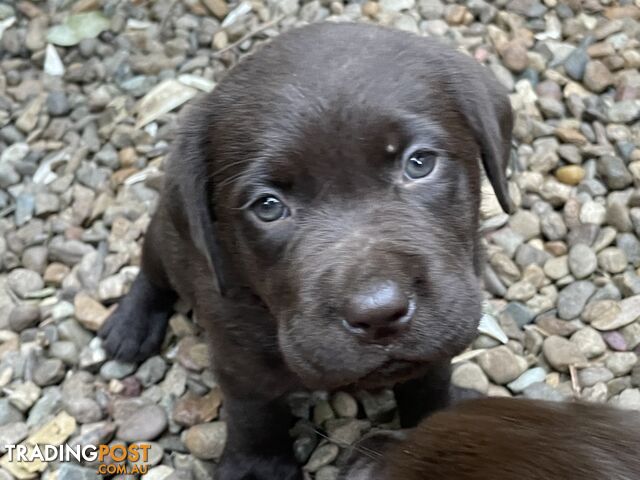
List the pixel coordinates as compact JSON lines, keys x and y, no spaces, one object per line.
{"x":420,"y":397}
{"x":258,"y":445}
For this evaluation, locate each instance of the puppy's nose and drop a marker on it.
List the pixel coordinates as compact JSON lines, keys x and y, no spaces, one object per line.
{"x":379,"y":311}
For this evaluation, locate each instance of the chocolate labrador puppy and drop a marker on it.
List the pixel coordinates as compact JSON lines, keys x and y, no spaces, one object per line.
{"x":506,"y":439}
{"x":320,"y":213}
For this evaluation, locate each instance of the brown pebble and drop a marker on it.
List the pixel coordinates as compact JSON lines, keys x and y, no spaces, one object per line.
{"x":570,"y":174}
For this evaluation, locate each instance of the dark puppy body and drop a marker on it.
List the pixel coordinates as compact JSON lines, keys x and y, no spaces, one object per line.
{"x":320,"y":214}
{"x":508,"y":439}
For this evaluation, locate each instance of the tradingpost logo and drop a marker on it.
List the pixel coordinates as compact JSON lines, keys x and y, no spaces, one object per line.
{"x":117,"y":459}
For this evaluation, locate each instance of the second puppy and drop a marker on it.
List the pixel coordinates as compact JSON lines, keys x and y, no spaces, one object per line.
{"x":506,"y":439}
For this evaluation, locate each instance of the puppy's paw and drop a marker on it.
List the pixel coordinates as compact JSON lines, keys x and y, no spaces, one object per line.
{"x":258,"y":468}
{"x":134,"y":332}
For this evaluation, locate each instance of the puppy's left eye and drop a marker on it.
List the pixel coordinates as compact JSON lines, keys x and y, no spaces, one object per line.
{"x":269,"y":208}
{"x":419,"y":164}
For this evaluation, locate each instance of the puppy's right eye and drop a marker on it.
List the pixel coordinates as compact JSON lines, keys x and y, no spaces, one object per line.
{"x":269,"y":208}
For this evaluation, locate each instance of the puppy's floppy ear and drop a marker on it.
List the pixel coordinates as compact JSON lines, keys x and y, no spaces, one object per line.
{"x":487,"y":110}
{"x":188,"y":191}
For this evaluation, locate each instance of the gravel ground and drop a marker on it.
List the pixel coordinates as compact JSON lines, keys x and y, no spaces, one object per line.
{"x":88,"y":107}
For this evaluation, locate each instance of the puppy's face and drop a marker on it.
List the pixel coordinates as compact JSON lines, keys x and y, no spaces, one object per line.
{"x":346,"y":193}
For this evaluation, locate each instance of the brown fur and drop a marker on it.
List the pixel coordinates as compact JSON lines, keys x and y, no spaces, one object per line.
{"x":510,"y":439}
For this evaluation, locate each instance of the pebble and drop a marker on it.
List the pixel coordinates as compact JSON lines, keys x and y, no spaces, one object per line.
{"x":344,"y":405}
{"x":23,"y":282}
{"x":147,"y":423}
{"x":628,"y":400}
{"x":582,"y":261}
{"x":49,"y":372}
{"x":470,"y":375}
{"x":206,"y":441}
{"x":621,"y":363}
{"x":589,"y":342}
{"x":561,"y":353}
{"x":626,"y":312}
{"x":573,"y":298}
{"x":24,"y":316}
{"x":570,"y":174}
{"x":501,"y":365}
{"x":528,"y":378}
{"x":612,"y":260}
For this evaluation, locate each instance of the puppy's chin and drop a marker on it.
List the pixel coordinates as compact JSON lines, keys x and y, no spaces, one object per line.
{"x":349,"y":364}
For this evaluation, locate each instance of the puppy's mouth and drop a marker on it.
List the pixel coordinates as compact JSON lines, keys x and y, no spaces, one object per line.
{"x":391,"y":372}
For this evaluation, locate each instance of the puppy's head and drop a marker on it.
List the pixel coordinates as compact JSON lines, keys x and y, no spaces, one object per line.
{"x":341,"y":164}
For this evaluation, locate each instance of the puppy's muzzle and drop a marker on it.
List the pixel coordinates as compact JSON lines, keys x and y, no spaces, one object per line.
{"x":378,"y":312}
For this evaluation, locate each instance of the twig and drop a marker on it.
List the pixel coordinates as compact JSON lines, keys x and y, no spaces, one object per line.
{"x":575,"y":382}
{"x":261,"y":28}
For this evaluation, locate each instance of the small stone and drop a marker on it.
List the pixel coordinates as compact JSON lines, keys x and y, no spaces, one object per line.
{"x":614,"y":172}
{"x":528,"y":378}
{"x":324,"y":455}
{"x":90,"y":313}
{"x":590,"y":376}
{"x":193,"y":409}
{"x":572,"y":299}
{"x":345,"y":431}
{"x":570,"y":174}
{"x":525,"y":223}
{"x":49,"y":372}
{"x":151,"y":371}
{"x":561,"y":353}
{"x":147,"y":423}
{"x":629,"y":312}
{"x":593,"y":212}
{"x":24,"y":395}
{"x":542,"y":391}
{"x":24,"y":316}
{"x":470,"y":375}
{"x":612,"y":260}
{"x":344,"y":405}
{"x":597,"y":76}
{"x":589,"y":342}
{"x":115,"y":369}
{"x":206,"y":441}
{"x":58,"y":104}
{"x":621,"y":363}
{"x":628,"y":400}
{"x":514,"y":56}
{"x":23,"y":282}
{"x":521,"y":291}
{"x":12,"y":434}
{"x":582,"y":261}
{"x":595,"y":394}
{"x":378,"y":406}
{"x":501,"y":365}
{"x":557,"y":267}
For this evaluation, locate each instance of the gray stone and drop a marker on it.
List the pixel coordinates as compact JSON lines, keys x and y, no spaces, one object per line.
{"x":561,"y":353}
{"x":152,"y":371}
{"x":146,"y":423}
{"x":612,"y":260}
{"x":590,"y":376}
{"x":23,"y":281}
{"x":470,"y":375}
{"x":621,"y":363}
{"x":528,"y":378}
{"x":572,"y":299}
{"x":501,"y":365}
{"x":24,"y":316}
{"x":207,"y":440}
{"x":589,"y":342}
{"x":582,"y":261}
{"x":49,"y":372}
{"x":614,"y":172}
